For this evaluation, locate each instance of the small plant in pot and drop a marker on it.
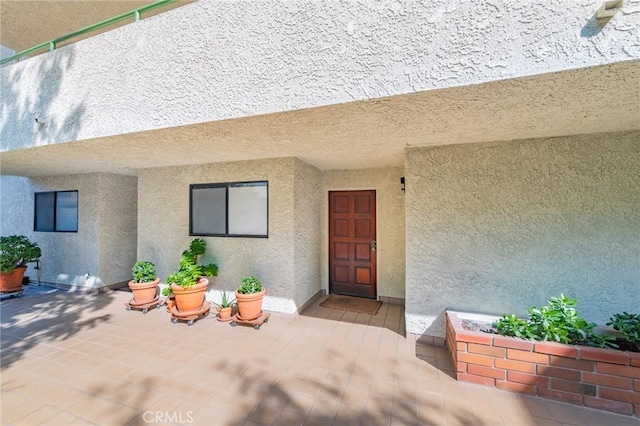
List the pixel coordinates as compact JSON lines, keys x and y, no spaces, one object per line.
{"x":15,"y":252}
{"x":145,"y":282}
{"x":249,"y":297}
{"x":188,"y":284}
{"x":225,"y":307}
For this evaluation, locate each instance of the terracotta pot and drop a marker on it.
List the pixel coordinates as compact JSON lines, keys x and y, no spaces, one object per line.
{"x":192,"y":298}
{"x":12,"y":281}
{"x":171,"y":303}
{"x":250,"y":305}
{"x":224,"y":313}
{"x":144,"y":292}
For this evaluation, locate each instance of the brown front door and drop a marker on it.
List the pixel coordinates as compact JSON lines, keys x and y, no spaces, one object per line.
{"x":352,"y":243}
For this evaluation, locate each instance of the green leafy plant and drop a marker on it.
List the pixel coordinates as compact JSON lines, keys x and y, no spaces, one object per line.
{"x":510,"y":325}
{"x":250,"y":285}
{"x":190,"y":271}
{"x":629,"y":325}
{"x":601,"y":341}
{"x":17,"y":250}
{"x":557,"y":322}
{"x":225,"y":302}
{"x":143,"y":272}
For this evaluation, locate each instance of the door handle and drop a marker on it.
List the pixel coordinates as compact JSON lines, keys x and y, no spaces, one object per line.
{"x":374,"y":245}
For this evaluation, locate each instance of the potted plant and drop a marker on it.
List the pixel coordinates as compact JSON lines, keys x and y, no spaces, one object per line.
{"x":249,"y":297}
{"x":144,"y":283}
{"x":15,"y":252}
{"x":225,"y":307}
{"x":188,"y":284}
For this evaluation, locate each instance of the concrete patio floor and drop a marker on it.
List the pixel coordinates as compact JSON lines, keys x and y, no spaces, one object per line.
{"x":71,"y":358}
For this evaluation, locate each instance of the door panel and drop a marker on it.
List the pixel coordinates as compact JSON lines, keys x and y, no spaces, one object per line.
{"x":341,"y":274}
{"x":363,"y":275}
{"x":363,"y":204}
{"x":341,"y":204}
{"x":341,"y":251}
{"x":363,"y":251}
{"x":363,"y":228}
{"x":352,"y":255}
{"x":341,"y":227}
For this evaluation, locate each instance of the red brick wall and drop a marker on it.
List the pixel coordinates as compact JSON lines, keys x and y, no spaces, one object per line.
{"x":605,"y":379}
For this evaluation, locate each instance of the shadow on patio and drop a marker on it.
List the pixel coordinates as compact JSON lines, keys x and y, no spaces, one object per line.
{"x":88,"y":360}
{"x":44,"y":316}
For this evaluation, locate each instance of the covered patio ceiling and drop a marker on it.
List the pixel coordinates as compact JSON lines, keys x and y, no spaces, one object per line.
{"x":367,"y":134}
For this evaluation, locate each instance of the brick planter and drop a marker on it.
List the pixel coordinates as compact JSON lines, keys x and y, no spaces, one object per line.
{"x":604,"y":379}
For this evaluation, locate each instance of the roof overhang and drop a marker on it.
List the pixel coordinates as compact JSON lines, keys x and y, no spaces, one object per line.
{"x":366,"y":134}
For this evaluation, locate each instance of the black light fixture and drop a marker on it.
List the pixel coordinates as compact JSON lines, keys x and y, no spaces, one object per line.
{"x":402,"y":184}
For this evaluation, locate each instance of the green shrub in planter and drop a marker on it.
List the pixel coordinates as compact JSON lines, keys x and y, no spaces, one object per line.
{"x":17,"y":250}
{"x":250,"y":285}
{"x":556,"y":322}
{"x":511,"y":325}
{"x":143,"y":272}
{"x":190,"y":271}
{"x":629,"y":325}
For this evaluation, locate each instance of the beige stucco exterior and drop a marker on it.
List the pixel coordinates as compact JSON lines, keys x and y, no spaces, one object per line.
{"x":102,"y":251}
{"x":293,"y":261}
{"x":515,"y":125}
{"x":118,"y":226}
{"x":499,"y":227}
{"x":286,"y":261}
{"x":350,"y":77}
{"x":306,"y":242}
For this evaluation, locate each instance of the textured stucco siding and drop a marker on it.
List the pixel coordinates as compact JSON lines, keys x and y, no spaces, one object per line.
{"x":16,"y":200}
{"x":16,"y":210}
{"x":222,"y":60}
{"x":103,"y":247}
{"x":306,"y":231}
{"x":118,"y":226}
{"x":390,"y":222}
{"x":163,"y":227}
{"x":68,"y":256}
{"x":499,"y":227}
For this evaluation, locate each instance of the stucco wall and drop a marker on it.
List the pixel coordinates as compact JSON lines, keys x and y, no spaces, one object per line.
{"x":223,"y":60}
{"x":499,"y":227}
{"x":16,"y":202}
{"x":118,"y":207}
{"x":390,"y":226}
{"x":16,"y":209}
{"x":306,"y":215}
{"x":104,"y":245}
{"x":163,"y":227}
{"x":68,"y":256}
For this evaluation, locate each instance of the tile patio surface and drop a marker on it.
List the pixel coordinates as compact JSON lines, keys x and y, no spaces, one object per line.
{"x":69,"y":358}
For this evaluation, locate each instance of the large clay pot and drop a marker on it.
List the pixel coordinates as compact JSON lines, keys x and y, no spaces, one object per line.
{"x":250,"y":305}
{"x":144,"y":292}
{"x":12,"y":281}
{"x":192,"y":298}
